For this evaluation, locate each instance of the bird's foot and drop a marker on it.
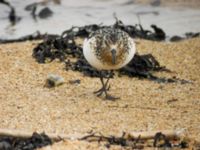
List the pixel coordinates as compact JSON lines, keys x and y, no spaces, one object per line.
{"x":101,"y":90}
{"x":107,"y":96}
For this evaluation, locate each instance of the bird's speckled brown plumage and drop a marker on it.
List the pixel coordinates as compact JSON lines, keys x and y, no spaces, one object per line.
{"x":103,"y":41}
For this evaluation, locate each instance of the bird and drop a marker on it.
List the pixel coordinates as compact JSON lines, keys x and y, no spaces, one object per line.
{"x":108,"y":49}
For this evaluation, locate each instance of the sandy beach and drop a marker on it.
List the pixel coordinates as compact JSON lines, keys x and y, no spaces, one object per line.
{"x":73,"y":108}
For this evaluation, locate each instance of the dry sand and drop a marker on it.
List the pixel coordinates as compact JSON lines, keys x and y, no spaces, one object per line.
{"x":73,"y":108}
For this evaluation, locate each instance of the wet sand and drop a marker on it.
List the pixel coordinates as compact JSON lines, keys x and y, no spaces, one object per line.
{"x":195,"y":4}
{"x":173,"y":20}
{"x":73,"y":108}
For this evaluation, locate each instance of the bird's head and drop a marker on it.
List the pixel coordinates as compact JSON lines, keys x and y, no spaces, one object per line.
{"x":113,"y":46}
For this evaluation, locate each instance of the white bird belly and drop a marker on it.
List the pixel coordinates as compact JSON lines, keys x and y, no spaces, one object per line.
{"x":91,"y":57}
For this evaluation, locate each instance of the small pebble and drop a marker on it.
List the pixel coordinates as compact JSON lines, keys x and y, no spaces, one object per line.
{"x":54,"y":80}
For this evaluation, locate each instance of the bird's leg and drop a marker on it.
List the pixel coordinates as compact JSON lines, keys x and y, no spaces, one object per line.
{"x":104,"y":85}
{"x":104,"y":88}
{"x":108,"y":96}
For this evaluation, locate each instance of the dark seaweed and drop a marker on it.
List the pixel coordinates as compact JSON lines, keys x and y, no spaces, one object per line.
{"x":64,"y":47}
{"x":13,"y":18}
{"x":15,"y":143}
{"x":176,"y":38}
{"x":192,"y":34}
{"x":45,"y":13}
{"x":65,"y":44}
{"x":160,"y":141}
{"x":188,"y":35}
{"x":159,"y":33}
{"x":35,"y":36}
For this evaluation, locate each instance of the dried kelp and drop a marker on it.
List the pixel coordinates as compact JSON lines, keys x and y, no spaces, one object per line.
{"x":13,"y":18}
{"x":64,"y":47}
{"x":35,"y":36}
{"x":160,"y":140}
{"x":15,"y":143}
{"x":165,"y":139}
{"x":188,"y":35}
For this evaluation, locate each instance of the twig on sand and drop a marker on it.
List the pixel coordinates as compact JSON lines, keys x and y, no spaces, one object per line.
{"x":134,"y":135}
{"x":151,"y":134}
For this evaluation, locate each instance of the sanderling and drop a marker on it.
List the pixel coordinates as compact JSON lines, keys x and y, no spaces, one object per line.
{"x":109,"y":49}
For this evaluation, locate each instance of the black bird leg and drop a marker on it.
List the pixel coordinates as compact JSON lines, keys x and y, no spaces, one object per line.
{"x":105,"y":88}
{"x":104,"y":85}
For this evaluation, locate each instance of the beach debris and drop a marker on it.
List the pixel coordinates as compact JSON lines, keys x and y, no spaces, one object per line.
{"x":45,"y":13}
{"x":167,"y":80}
{"x":64,"y":48}
{"x":35,"y":36}
{"x":135,"y":31}
{"x":77,"y":81}
{"x":160,"y":139}
{"x":32,"y":8}
{"x":170,"y":134}
{"x":192,"y":34}
{"x":176,"y":38}
{"x":33,"y":13}
{"x":44,"y":2}
{"x":159,"y":33}
{"x":54,"y":80}
{"x":83,"y":66}
{"x":172,"y":100}
{"x":142,"y":65}
{"x":13,"y":18}
{"x":16,"y":142}
{"x":188,"y":35}
{"x":142,"y":140}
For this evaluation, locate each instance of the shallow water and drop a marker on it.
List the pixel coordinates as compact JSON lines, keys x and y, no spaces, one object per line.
{"x":174,"y":21}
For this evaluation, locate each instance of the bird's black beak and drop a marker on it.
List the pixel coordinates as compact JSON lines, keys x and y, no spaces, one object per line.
{"x":113,"y":51}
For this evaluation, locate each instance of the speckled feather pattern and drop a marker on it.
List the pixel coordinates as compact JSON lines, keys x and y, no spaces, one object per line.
{"x":97,"y":48}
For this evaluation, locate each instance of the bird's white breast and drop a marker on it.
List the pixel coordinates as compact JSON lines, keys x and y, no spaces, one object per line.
{"x":90,"y":55}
